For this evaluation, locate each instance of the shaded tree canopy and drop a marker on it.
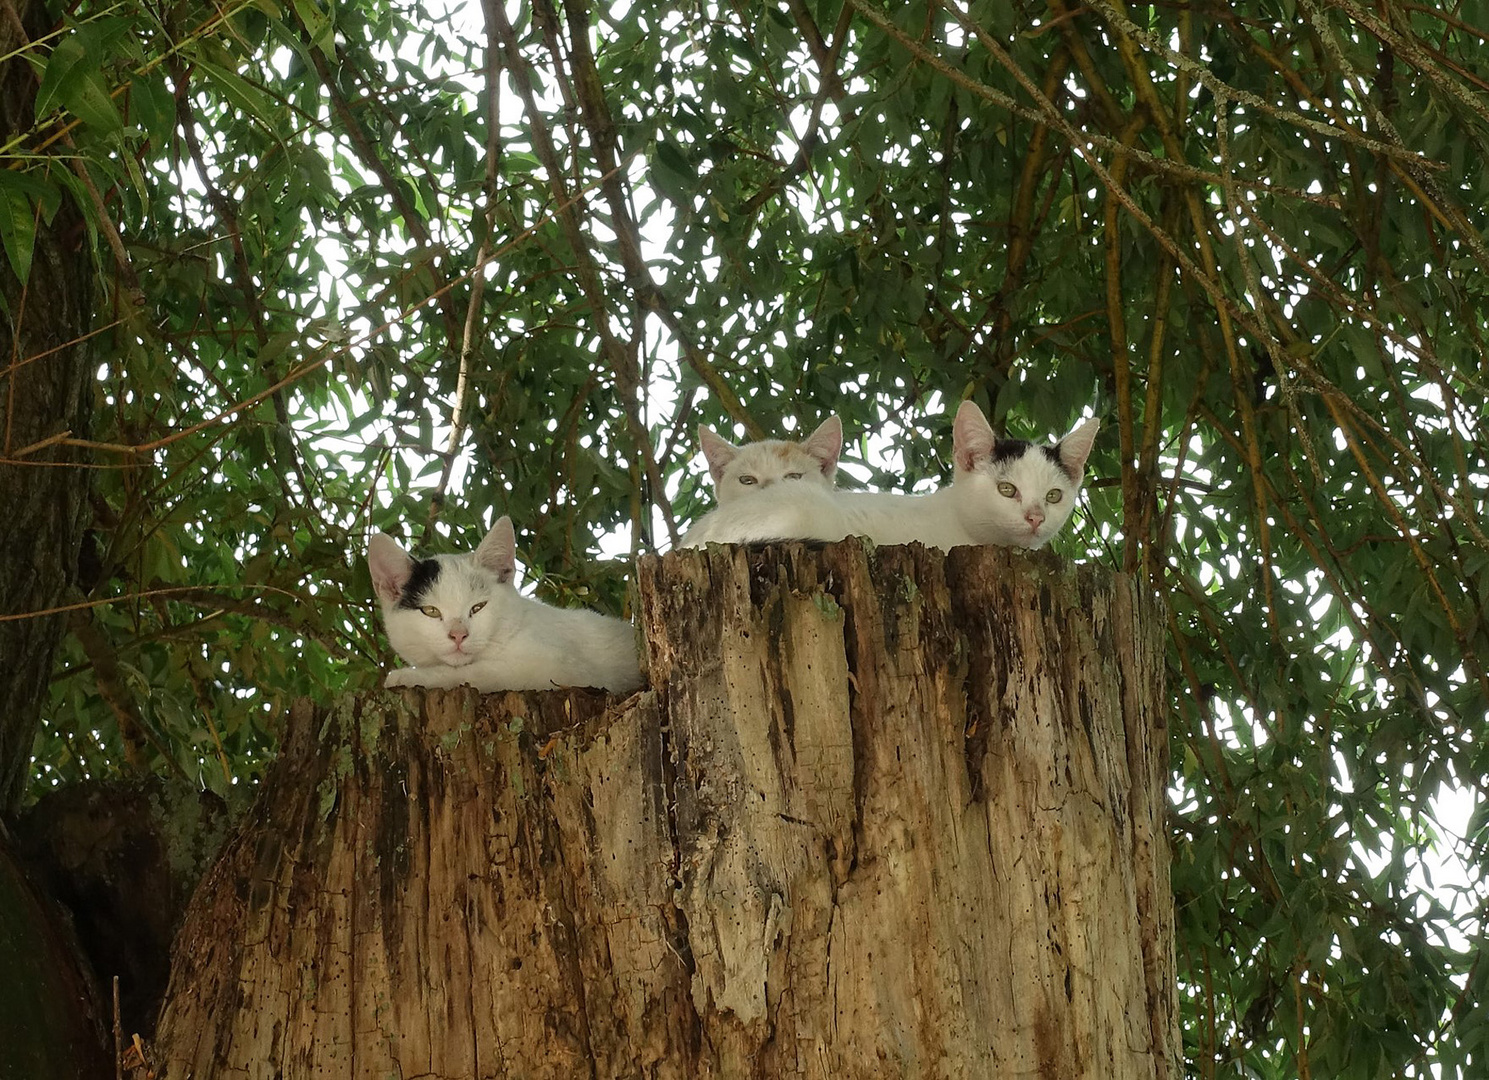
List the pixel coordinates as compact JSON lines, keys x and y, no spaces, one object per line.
{"x":410,"y":266}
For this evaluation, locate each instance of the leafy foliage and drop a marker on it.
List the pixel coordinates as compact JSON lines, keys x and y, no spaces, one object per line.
{"x":1250,"y":235}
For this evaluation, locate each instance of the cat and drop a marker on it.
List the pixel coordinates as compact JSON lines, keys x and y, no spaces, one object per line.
{"x":769,"y":469}
{"x":741,"y":471}
{"x":458,"y":619}
{"x":1004,"y":491}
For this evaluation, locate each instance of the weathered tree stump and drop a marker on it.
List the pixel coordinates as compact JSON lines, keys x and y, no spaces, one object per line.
{"x":881,"y":813}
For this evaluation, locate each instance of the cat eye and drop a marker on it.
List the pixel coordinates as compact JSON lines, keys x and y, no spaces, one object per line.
{"x":1007,"y":490}
{"x":478,"y":607}
{"x":1054,"y":495}
{"x":793,"y":476}
{"x":748,"y":480}
{"x":430,"y":610}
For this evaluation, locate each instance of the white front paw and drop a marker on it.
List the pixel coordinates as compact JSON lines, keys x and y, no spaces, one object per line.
{"x":404,"y":676}
{"x":441,"y":677}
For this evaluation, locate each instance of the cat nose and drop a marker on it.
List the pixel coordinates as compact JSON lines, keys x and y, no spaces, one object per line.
{"x":1034,"y":516}
{"x":458,"y":634}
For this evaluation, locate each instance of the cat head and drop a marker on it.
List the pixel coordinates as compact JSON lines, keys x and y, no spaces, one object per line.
{"x":1013,"y":492}
{"x":739,"y":471}
{"x":446,"y":609}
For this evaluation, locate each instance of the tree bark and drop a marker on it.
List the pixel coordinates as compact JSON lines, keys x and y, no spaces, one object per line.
{"x":51,"y":1019}
{"x":880,"y":813}
{"x":123,"y":857}
{"x":44,"y":392}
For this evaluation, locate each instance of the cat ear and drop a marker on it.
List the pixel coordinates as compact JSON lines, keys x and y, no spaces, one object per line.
{"x":716,"y":451}
{"x":1076,"y":447}
{"x":825,"y":444}
{"x":390,"y":566}
{"x":498,"y":552}
{"x":971,"y":437}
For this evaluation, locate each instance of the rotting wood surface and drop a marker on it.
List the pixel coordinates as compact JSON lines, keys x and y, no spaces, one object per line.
{"x":881,"y":813}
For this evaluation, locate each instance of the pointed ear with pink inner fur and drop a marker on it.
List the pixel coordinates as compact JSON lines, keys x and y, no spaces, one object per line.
{"x":825,"y":444}
{"x":716,"y":451}
{"x":390,"y":566}
{"x":971,"y":437}
{"x":498,"y":552}
{"x":1076,"y":447}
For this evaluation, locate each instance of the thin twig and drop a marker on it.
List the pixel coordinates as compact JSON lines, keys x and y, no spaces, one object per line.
{"x":118,"y":1036}
{"x":473,"y":305}
{"x":304,"y":369}
{"x":621,"y":361}
{"x":175,"y":590}
{"x":18,"y":364}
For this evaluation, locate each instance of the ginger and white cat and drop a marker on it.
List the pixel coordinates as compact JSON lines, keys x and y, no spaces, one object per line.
{"x":773,"y":470}
{"x":459,"y":620}
{"x":1004,"y":491}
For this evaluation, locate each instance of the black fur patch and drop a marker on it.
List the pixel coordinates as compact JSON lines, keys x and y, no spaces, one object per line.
{"x":1010,"y":449}
{"x":424,"y":574}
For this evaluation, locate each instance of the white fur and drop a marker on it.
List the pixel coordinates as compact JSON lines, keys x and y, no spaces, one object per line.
{"x":473,"y":628}
{"x":774,"y":473}
{"x":790,"y":512}
{"x":744,"y":471}
{"x":971,"y":510}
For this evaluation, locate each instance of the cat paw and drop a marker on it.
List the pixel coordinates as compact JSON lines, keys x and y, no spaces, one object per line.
{"x":440,"y":678}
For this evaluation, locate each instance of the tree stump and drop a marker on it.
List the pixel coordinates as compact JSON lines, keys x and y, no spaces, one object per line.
{"x":880,"y":813}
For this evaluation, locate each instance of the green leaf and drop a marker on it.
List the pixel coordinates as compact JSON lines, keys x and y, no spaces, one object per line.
{"x":66,"y":60}
{"x":673,"y":158}
{"x":153,"y":108}
{"x":86,"y":96}
{"x":17,"y":225}
{"x":74,"y":81}
{"x":238,"y":91}
{"x":320,"y":25}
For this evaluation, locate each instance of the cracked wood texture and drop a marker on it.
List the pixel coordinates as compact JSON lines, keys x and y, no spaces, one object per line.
{"x":880,"y":813}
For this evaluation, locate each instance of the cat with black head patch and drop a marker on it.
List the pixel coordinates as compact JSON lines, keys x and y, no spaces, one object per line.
{"x":458,"y":620}
{"x":1008,"y":492}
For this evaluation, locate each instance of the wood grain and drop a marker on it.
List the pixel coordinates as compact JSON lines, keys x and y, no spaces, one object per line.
{"x":881,"y":813}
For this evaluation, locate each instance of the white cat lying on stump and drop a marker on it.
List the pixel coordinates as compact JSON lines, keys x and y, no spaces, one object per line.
{"x":1004,"y":491}
{"x":459,"y":620}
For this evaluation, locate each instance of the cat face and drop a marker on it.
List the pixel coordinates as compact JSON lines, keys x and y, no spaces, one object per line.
{"x":741,"y":471}
{"x":446,"y":609}
{"x":1013,"y":492}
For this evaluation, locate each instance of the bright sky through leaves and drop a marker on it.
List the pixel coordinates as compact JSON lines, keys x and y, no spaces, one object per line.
{"x":1251,"y":238}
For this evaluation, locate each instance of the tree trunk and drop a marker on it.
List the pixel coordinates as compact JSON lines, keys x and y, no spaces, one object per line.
{"x":50,"y":1024}
{"x":881,"y":813}
{"x":51,"y":1020}
{"x":123,"y":857}
{"x":44,"y":392}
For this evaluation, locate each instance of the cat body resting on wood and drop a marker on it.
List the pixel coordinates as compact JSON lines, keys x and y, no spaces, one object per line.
{"x":1004,"y":491}
{"x":459,"y":620}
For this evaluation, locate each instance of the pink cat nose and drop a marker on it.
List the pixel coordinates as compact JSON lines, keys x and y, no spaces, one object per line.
{"x":458,"y":634}
{"x":1034,"y":516}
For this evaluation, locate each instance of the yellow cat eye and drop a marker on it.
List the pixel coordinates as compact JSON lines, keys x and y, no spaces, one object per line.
{"x":1054,"y":495}
{"x":1007,"y":490}
{"x":793,"y":476}
{"x":748,"y":480}
{"x":478,"y":607}
{"x":430,"y":610}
